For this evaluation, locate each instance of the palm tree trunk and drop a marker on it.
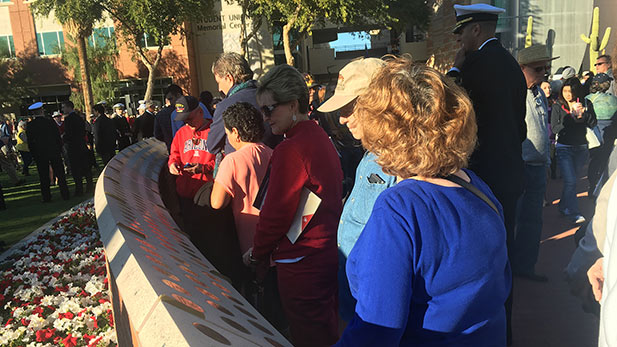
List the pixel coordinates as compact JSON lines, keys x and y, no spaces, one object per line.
{"x":84,"y":70}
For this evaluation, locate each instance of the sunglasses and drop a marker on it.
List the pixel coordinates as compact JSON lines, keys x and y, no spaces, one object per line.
{"x":268,"y":109}
{"x":541,"y":68}
{"x":600,"y":63}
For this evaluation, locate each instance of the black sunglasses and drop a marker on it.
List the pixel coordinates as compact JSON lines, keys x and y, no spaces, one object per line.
{"x":542,"y":68}
{"x":600,"y":63}
{"x":268,"y":109}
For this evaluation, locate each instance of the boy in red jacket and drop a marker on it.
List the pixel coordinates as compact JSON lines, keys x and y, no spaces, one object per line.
{"x":211,"y":231}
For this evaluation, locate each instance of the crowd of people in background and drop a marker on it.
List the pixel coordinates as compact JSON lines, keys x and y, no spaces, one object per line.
{"x":400,"y":206}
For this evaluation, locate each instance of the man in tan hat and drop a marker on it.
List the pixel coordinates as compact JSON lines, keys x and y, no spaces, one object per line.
{"x":535,"y":64}
{"x":354,"y":79}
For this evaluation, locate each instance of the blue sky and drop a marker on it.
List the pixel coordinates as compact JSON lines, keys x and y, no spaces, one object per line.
{"x":347,"y":39}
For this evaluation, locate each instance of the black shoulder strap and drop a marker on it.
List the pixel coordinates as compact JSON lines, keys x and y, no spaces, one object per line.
{"x":470,"y":187}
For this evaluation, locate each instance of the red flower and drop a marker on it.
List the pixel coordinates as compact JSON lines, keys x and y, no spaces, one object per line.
{"x":95,"y":341}
{"x":8,"y":322}
{"x":38,"y":310}
{"x":67,"y":315}
{"x":96,"y":323}
{"x":69,"y":341}
{"x":111,"y":318}
{"x":25,"y":322}
{"x":45,"y":334}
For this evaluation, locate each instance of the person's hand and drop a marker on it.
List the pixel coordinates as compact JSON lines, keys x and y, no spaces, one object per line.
{"x":596,"y":278}
{"x":459,"y":58}
{"x":193,"y":168}
{"x":174,"y":169}
{"x":247,"y":258}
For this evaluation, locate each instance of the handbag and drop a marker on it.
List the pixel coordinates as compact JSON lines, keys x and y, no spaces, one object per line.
{"x":593,"y":137}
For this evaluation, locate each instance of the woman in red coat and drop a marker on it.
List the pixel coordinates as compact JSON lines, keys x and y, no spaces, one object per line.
{"x":307,"y":268}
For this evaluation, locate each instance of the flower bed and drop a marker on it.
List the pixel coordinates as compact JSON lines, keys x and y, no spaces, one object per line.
{"x":53,"y":290}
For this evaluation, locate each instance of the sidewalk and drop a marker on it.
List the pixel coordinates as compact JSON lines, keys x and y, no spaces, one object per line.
{"x":546,"y":314}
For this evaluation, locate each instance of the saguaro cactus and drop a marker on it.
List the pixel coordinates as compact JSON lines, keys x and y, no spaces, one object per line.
{"x":595,"y":46}
{"x":528,"y":40}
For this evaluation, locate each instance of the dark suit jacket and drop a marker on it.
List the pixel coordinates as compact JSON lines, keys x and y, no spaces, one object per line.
{"x":105,"y":134}
{"x":43,"y":138}
{"x":496,"y":86}
{"x":144,"y":126}
{"x":162,"y":126}
{"x":75,"y":133}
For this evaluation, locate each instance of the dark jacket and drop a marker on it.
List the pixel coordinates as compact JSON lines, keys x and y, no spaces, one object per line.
{"x":162,"y":126}
{"x":144,"y":126}
{"x":105,"y":134}
{"x":43,"y":138}
{"x":217,"y":139}
{"x":496,"y":86}
{"x":75,"y":133}
{"x":124,"y":131}
{"x":572,"y":131}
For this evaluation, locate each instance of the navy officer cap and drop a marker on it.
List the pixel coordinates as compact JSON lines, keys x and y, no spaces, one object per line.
{"x":35,"y":106}
{"x":475,"y":13}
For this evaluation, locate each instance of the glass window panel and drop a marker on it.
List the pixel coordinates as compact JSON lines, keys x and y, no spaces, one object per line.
{"x":12,"y":46}
{"x":61,"y":37}
{"x":50,"y":40}
{"x":39,"y":42}
{"x":5,"y":51}
{"x":100,"y":35}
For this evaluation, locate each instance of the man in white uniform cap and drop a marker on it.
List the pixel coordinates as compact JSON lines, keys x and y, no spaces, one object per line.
{"x":497,"y":88}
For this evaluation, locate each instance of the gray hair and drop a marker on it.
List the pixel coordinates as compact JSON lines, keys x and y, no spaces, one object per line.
{"x":285,"y":84}
{"x":233,"y":64}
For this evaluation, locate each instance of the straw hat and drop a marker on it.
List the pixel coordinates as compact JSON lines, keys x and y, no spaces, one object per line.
{"x":534,"y":54}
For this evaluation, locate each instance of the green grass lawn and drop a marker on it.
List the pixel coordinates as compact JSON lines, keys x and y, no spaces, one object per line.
{"x":25,"y":210}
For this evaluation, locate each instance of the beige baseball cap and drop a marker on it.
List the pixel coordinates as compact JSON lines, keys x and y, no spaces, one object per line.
{"x":353,"y":79}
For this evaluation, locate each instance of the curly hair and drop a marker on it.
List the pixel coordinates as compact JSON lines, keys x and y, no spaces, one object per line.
{"x":285,"y":84}
{"x":247,"y":119}
{"x":417,"y":121}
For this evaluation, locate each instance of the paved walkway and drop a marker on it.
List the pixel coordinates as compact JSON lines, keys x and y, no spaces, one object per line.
{"x":546,"y":314}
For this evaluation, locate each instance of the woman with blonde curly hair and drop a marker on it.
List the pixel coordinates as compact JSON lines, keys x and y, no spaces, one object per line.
{"x":431,"y":266}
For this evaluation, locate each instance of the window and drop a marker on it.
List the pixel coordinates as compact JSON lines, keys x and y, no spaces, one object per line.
{"x":149,"y":41}
{"x":50,"y":43}
{"x":100,"y":36}
{"x":7,"y":47}
{"x":6,"y":0}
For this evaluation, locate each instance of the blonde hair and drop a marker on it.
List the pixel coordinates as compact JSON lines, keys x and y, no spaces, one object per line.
{"x":417,"y":121}
{"x":285,"y":84}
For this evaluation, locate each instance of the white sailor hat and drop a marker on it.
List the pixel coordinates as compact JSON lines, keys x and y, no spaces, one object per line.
{"x":475,"y":13}
{"x":35,"y":106}
{"x":119,"y":105}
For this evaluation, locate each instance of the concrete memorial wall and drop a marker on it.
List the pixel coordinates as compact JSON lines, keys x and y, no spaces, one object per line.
{"x":164,"y":292}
